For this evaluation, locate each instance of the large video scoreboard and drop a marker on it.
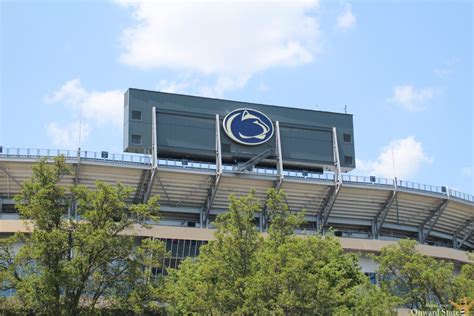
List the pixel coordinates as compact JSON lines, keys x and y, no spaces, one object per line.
{"x":186,"y":129}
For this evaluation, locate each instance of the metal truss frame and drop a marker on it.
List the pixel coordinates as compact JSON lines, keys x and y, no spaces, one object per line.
{"x":212,"y":191}
{"x":333,"y":192}
{"x":10,"y":176}
{"x":243,"y":167}
{"x":383,"y":212}
{"x":461,"y":228}
{"x":264,"y":218}
{"x":431,"y":221}
{"x":154,"y":157}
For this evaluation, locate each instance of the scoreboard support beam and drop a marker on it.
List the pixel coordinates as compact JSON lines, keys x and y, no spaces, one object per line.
{"x":154,"y":156}
{"x":333,"y":192}
{"x":212,"y":191}
{"x":279,"y":181}
{"x":431,"y":221}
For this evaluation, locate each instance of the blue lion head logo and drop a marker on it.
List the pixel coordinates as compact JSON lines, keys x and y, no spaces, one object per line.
{"x":248,"y":127}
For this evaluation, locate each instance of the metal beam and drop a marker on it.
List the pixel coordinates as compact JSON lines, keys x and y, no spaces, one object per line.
{"x":326,"y":209}
{"x":142,"y":186}
{"x":335,"y":151}
{"x":279,"y":157}
{"x":154,"y":143}
{"x":333,"y":192}
{"x":431,"y":221}
{"x":10,"y":176}
{"x":279,"y":180}
{"x":382,"y":214}
{"x":460,"y":229}
{"x":466,"y":237}
{"x":212,"y":192}
{"x":154,"y":158}
{"x":240,"y":168}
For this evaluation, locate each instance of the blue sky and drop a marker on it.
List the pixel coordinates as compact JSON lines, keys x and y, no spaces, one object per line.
{"x":403,"y":68}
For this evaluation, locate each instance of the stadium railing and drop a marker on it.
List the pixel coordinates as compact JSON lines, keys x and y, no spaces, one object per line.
{"x":142,"y":159}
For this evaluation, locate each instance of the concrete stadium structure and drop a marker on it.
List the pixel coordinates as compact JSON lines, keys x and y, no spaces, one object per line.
{"x":366,"y":214}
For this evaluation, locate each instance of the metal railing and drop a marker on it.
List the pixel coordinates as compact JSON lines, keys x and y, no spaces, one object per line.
{"x":35,"y":153}
{"x":29,"y":153}
{"x":349,"y":178}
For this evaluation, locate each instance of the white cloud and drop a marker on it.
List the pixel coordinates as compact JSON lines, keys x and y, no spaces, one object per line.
{"x":197,"y":85}
{"x":67,"y":136}
{"x":447,"y":69}
{"x":173,"y":86}
{"x":402,"y":158}
{"x":410,"y":98}
{"x":98,"y":107}
{"x":346,"y":20}
{"x":231,"y":40}
{"x":222,"y":84}
{"x":92,"y":108}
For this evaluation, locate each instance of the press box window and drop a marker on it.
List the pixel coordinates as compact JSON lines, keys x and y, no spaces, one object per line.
{"x":137,"y":115}
{"x":137,"y":139}
{"x":347,"y":138}
{"x":348,"y":160}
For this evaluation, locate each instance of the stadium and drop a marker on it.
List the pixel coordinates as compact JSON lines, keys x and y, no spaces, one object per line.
{"x":194,"y":152}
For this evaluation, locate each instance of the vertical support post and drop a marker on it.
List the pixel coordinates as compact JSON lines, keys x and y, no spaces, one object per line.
{"x":205,"y":211}
{"x":333,"y":191}
{"x":277,"y":184}
{"x":218,"y":147}
{"x":337,"y":162}
{"x":154,"y":149}
{"x":154,"y":156}
{"x":374,"y":229}
{"x":278,"y":153}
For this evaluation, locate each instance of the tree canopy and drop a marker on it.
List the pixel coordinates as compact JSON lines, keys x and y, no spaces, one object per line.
{"x":240,"y":272}
{"x":420,"y":281}
{"x":69,"y":265}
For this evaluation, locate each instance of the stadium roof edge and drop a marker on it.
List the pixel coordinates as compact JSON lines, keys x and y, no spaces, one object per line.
{"x":235,"y":101}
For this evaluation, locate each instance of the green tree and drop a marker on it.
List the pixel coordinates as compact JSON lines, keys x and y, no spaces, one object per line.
{"x":367,"y":299}
{"x":243,"y":273}
{"x":464,"y":282}
{"x":307,"y":275}
{"x":420,"y":281}
{"x":68,"y":266}
{"x":217,"y":281}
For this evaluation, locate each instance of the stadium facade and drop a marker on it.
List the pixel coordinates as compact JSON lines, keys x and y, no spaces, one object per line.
{"x":193,"y":152}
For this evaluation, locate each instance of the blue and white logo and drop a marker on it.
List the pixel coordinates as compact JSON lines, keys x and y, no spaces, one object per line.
{"x":248,"y":127}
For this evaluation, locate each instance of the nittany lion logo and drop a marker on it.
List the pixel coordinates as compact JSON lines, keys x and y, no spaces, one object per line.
{"x":248,"y":127}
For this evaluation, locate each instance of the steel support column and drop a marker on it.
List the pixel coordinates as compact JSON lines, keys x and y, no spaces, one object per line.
{"x":460,"y":229}
{"x":382,"y":214}
{"x":466,"y":237}
{"x":154,"y":141}
{"x":264,"y":219}
{"x":243,"y":167}
{"x":333,"y":192}
{"x":10,"y":176}
{"x":431,"y":221}
{"x":154,"y":157}
{"x":217,"y":178}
